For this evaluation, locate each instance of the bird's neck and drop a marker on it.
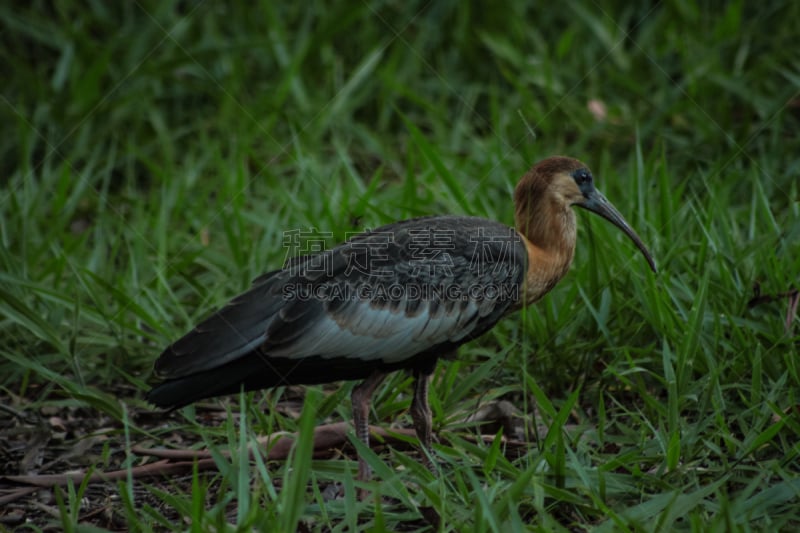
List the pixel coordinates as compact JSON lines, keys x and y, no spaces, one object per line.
{"x":548,"y":227}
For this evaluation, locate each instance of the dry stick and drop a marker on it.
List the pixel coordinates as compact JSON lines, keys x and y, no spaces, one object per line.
{"x":278,"y":445}
{"x":164,"y":467}
{"x":17,"y":494}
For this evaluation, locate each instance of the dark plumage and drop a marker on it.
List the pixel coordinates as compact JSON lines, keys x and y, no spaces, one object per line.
{"x":274,"y":334}
{"x":398,"y":297}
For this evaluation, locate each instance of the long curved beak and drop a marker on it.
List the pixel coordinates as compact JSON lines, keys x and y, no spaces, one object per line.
{"x":597,"y":203}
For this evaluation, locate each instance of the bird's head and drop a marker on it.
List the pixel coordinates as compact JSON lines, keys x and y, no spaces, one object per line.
{"x":565,"y":182}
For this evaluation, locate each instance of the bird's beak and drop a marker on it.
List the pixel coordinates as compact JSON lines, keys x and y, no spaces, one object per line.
{"x":597,"y":203}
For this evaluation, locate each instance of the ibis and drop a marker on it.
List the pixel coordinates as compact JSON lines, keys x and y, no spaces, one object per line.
{"x":399,"y":297}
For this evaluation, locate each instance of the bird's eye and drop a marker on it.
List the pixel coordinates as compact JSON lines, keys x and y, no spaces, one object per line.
{"x":582,"y":176}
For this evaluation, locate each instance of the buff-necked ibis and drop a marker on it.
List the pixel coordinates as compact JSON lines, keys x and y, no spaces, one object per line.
{"x":395,"y":298}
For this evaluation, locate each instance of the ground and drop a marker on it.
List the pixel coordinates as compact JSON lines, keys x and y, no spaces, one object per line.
{"x":157,"y":156}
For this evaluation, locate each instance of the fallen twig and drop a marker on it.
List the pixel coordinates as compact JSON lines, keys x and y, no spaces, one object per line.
{"x":16,"y":494}
{"x":164,"y":467}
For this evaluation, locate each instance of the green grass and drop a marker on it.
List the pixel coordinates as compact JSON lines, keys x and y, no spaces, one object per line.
{"x":154,"y":154}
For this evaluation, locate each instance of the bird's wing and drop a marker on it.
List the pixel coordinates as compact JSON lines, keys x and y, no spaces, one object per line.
{"x":229,"y":333}
{"x":385,"y":295}
{"x":401,"y":290}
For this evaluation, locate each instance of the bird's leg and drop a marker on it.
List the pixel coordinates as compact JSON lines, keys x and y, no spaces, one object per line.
{"x":421,"y":415}
{"x":360,"y":398}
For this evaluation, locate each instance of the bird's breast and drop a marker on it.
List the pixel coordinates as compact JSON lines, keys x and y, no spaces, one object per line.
{"x":545,"y":270}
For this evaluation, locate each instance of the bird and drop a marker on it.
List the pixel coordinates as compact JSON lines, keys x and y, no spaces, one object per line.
{"x":398,"y":297}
